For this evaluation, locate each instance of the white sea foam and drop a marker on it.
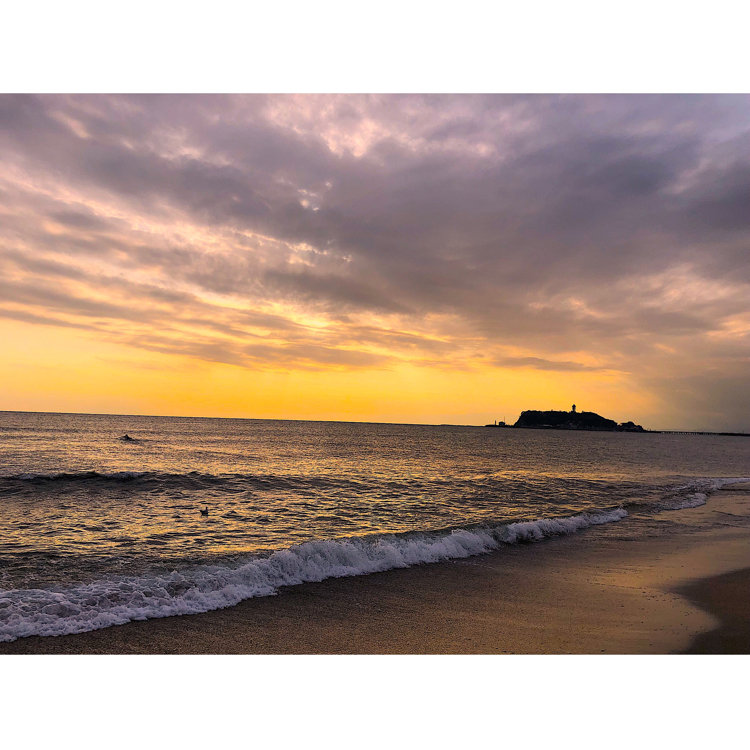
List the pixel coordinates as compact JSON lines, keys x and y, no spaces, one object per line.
{"x":116,"y":601}
{"x":697,"y":498}
{"x":691,"y":501}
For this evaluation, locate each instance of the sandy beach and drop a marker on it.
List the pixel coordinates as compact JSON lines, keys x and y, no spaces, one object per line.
{"x":605,"y":590}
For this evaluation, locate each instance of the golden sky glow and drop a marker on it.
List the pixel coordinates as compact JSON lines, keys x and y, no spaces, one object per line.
{"x":42,"y":375}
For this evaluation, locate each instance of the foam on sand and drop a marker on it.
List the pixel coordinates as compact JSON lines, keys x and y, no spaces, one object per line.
{"x":696,"y":494}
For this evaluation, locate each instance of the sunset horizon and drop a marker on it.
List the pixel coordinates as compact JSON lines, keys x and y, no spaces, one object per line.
{"x":504,"y":419}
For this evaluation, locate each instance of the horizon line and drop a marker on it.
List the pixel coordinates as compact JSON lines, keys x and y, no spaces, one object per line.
{"x":341,"y":421}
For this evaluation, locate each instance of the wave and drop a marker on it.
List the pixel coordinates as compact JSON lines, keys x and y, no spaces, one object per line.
{"x":692,"y":500}
{"x":275,"y":481}
{"x":77,"y":476}
{"x":695,"y":494}
{"x":116,"y":601}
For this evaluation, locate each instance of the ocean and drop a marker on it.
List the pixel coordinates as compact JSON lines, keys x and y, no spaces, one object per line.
{"x":98,"y":530}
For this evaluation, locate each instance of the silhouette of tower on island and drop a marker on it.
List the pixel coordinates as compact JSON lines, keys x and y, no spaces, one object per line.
{"x":574,"y":409}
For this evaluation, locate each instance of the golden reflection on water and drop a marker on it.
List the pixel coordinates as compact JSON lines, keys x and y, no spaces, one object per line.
{"x":78,"y":500}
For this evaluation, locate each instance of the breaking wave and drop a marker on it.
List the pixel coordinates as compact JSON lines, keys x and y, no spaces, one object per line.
{"x":115,"y":601}
{"x":696,"y":494}
{"x":691,"y":501}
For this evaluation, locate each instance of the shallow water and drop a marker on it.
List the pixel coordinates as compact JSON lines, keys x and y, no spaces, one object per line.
{"x":98,"y":530}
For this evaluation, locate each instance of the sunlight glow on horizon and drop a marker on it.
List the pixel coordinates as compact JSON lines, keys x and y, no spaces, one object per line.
{"x":109,"y":378}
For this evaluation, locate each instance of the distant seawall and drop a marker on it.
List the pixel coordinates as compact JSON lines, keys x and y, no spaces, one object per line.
{"x":700,"y":432}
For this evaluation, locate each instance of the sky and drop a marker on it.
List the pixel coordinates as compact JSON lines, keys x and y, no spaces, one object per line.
{"x":396,"y":258}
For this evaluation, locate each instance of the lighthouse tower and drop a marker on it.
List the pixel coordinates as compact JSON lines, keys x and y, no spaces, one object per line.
{"x":574,"y":409}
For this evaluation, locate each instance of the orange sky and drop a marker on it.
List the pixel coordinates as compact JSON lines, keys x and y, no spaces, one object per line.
{"x":51,"y":369}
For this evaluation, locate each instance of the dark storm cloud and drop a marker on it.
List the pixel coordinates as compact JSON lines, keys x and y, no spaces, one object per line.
{"x":522,"y":231}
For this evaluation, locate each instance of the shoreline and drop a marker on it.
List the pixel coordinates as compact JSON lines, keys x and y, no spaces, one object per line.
{"x":619,"y":589}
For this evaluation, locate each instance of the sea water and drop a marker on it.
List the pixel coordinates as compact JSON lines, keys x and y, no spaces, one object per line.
{"x":99,"y":530}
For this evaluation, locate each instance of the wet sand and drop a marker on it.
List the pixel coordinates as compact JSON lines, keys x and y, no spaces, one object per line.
{"x":728,"y":598}
{"x":608,"y":589}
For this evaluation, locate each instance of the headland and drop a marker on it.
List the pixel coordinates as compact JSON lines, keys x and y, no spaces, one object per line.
{"x":534,"y":419}
{"x":569,"y":420}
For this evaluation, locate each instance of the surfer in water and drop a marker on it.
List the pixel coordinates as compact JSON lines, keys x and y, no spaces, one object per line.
{"x":204,"y":512}
{"x":126,"y":437}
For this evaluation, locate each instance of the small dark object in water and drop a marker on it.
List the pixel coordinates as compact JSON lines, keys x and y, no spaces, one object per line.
{"x":204,"y":512}
{"x":126,"y":437}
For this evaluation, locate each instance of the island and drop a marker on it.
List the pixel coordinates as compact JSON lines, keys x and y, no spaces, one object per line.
{"x":571,"y":420}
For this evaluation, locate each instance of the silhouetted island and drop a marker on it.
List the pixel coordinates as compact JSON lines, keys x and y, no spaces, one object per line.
{"x":569,"y":420}
{"x":573,"y":420}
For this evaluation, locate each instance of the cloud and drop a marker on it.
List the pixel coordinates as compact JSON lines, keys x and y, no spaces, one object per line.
{"x":363,"y":231}
{"x":537,"y":363}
